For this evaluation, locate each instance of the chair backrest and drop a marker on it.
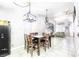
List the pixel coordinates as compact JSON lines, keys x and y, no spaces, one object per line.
{"x":34,"y":33}
{"x":46,"y":35}
{"x":29,"y":39}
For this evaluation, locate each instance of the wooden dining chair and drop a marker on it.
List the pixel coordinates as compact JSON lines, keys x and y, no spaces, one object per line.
{"x":32,"y":44}
{"x":45,"y":41}
{"x":29,"y":44}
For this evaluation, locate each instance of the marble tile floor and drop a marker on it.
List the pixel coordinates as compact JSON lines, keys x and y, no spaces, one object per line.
{"x":60,"y":48}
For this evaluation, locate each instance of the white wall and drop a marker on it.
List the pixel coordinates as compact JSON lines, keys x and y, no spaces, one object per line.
{"x":14,"y":15}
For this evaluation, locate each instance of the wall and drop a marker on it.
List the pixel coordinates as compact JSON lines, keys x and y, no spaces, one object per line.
{"x":14,"y":15}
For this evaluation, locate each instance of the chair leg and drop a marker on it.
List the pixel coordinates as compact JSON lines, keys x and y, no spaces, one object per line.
{"x":38,"y":52}
{"x":45,"y":47}
{"x":27,"y":49}
{"x":38,"y":47}
{"x":48,"y":44}
{"x":43,"y":44}
{"x":31,"y":51}
{"x":25,"y":45}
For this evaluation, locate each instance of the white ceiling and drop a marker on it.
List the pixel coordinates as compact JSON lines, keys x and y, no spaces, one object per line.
{"x":39,"y":7}
{"x":54,"y":8}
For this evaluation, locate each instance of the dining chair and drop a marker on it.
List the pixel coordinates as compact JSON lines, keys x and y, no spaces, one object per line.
{"x":29,"y":44}
{"x":32,"y":44}
{"x":45,"y":41}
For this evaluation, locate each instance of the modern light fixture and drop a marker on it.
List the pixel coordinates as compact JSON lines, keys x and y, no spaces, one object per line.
{"x":29,"y":16}
{"x":74,"y":16}
{"x":49,"y":25}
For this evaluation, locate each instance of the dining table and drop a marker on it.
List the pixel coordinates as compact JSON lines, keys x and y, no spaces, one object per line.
{"x":38,"y":38}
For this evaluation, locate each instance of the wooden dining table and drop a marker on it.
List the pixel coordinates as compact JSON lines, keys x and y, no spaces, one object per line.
{"x":38,"y":38}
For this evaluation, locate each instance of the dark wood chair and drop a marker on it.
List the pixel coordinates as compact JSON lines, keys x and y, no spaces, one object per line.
{"x":31,"y":44}
{"x":45,"y":41}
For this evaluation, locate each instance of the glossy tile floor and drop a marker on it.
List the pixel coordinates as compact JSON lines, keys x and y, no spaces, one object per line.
{"x":61,"y":47}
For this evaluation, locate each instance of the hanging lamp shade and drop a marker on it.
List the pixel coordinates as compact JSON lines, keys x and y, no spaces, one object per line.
{"x":74,"y":14}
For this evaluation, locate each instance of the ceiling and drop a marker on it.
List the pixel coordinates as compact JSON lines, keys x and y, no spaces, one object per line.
{"x":38,"y":8}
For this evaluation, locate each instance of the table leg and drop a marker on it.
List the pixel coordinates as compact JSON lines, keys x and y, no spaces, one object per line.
{"x":50,"y":40}
{"x":38,"y":47}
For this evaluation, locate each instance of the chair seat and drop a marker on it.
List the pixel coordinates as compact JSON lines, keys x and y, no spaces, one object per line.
{"x":42,"y":40}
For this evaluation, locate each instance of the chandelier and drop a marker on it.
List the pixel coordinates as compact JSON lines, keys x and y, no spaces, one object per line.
{"x":29,"y":16}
